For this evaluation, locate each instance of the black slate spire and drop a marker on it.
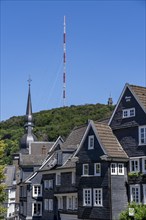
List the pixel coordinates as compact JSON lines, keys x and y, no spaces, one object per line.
{"x":28,"y":137}
{"x":28,"y":117}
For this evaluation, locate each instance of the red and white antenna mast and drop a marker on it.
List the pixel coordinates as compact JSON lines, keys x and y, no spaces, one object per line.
{"x":64,"y":62}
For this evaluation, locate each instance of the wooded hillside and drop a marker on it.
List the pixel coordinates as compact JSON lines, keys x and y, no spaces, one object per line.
{"x":50,"y":124}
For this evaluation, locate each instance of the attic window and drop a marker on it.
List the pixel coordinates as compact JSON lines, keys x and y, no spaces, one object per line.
{"x":91,"y":142}
{"x":127,"y":113}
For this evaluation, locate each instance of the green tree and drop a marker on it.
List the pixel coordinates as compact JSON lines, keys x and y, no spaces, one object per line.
{"x":139,"y":210}
{"x":2,"y":185}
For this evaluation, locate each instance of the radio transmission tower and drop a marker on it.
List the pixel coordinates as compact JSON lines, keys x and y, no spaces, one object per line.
{"x":64,"y":62}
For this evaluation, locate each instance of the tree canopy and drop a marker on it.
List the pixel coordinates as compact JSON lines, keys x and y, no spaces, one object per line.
{"x":50,"y":124}
{"x":2,"y":177}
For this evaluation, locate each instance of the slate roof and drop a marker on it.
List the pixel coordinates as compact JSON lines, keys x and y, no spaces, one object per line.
{"x":140,"y":92}
{"x":9,"y":175}
{"x":74,"y":138}
{"x":109,"y":141}
{"x":31,"y":160}
{"x":36,"y":147}
{"x":70,"y":163}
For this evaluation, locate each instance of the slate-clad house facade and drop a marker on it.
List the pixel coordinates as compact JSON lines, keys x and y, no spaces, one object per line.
{"x":95,"y":172}
{"x":128,"y":123}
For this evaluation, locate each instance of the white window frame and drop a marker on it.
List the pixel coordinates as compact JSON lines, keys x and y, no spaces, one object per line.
{"x":46,"y":204}
{"x":36,"y":188}
{"x":58,"y":179}
{"x":144,"y":194}
{"x":120,"y":168}
{"x":144,"y":165}
{"x":97,"y":197}
{"x":37,"y":213}
{"x":113,"y":168}
{"x":128,"y":113}
{"x":135,"y":187}
{"x":50,"y":204}
{"x":60,"y":202}
{"x":95,"y":169}
{"x":90,"y":142}
{"x":70,"y":202}
{"x":85,"y":168}
{"x":140,"y":135}
{"x":138,"y":166}
{"x":87,"y":197}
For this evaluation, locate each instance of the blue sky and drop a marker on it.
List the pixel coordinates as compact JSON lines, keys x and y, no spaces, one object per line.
{"x":105,"y":49}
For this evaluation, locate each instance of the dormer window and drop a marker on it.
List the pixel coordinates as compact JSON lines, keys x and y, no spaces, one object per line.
{"x":91,"y":142}
{"x":59,"y":158}
{"x":127,"y":113}
{"x":142,"y":135}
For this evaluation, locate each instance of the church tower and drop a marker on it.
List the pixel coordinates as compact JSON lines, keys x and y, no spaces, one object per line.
{"x":28,"y":137}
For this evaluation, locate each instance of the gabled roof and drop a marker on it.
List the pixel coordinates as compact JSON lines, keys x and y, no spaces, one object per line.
{"x":32,"y":160}
{"x":74,"y":138}
{"x":51,"y":155}
{"x":109,"y":141}
{"x":138,"y":92}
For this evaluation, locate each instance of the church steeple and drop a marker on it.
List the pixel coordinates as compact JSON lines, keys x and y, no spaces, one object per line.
{"x":28,"y":137}
{"x":29,"y":117}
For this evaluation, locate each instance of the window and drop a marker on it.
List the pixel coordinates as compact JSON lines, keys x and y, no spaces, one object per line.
{"x":58,"y":179}
{"x":97,"y":196}
{"x":59,"y":157}
{"x":91,"y":142}
{"x":46,"y":184}
{"x":50,"y":204}
{"x":69,"y":203}
{"x":97,"y":169}
{"x":120,"y":169}
{"x":50,"y":184}
{"x":73,"y":178}
{"x":144,"y":165}
{"x":87,"y":197}
{"x":37,"y":190}
{"x":127,"y":113}
{"x":85,"y":169}
{"x":144,"y":193}
{"x":75,"y":202}
{"x":117,"y":169}
{"x":37,"y":209}
{"x":134,"y":165}
{"x":114,"y":169}
{"x":46,"y":204}
{"x":60,"y":202}
{"x":135,"y":193}
{"x":142,"y":135}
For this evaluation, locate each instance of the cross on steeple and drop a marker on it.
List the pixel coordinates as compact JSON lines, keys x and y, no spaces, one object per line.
{"x":29,"y":81}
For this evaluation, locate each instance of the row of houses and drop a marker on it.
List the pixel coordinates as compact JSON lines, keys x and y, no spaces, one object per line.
{"x":93,"y":174}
